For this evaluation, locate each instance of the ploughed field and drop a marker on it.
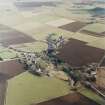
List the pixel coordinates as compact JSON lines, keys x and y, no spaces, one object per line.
{"x":9,"y":36}
{"x":74,"y":26}
{"x":9,"y":69}
{"x":76,"y":53}
{"x":70,"y":99}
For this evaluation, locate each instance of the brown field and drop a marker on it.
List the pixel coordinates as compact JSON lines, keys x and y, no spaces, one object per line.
{"x":71,"y":99}
{"x":78,"y":54}
{"x":93,"y":33}
{"x":10,"y":68}
{"x":74,"y":26}
{"x":76,"y":42}
{"x":9,"y":36}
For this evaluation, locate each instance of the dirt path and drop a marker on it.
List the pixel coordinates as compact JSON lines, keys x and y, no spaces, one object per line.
{"x":3,"y":88}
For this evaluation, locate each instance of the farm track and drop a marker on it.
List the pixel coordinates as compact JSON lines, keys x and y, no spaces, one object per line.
{"x":3,"y":88}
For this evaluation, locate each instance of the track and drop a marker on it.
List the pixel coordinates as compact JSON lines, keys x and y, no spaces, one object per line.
{"x":3,"y":88}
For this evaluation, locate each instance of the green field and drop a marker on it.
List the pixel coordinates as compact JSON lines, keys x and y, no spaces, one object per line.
{"x":5,"y":53}
{"x":26,"y":89}
{"x":92,"y":95}
{"x":32,"y":47}
{"x":96,"y":27}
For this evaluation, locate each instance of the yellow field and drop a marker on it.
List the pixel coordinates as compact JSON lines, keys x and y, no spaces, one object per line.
{"x":26,"y":89}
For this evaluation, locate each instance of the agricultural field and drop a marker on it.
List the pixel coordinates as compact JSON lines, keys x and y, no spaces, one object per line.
{"x":93,"y":29}
{"x":26,"y":89}
{"x":65,"y":99}
{"x":32,"y":47}
{"x":90,"y":94}
{"x":73,"y":27}
{"x":24,"y":27}
{"x":73,"y":50}
{"x":6,"y":53}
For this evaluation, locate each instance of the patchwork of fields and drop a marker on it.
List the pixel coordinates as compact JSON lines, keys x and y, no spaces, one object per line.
{"x":25,"y":28}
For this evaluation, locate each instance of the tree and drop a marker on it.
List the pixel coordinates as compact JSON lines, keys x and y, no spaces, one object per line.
{"x":1,"y":59}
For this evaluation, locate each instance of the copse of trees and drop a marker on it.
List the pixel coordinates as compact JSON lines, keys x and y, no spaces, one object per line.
{"x":1,"y":59}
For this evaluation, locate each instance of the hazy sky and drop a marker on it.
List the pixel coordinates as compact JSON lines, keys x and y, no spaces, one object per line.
{"x":40,"y":0}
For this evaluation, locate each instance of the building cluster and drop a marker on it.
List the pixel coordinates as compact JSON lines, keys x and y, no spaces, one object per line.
{"x":30,"y":61}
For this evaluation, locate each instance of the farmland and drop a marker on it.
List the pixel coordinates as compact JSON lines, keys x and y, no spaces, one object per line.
{"x":24,"y":27}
